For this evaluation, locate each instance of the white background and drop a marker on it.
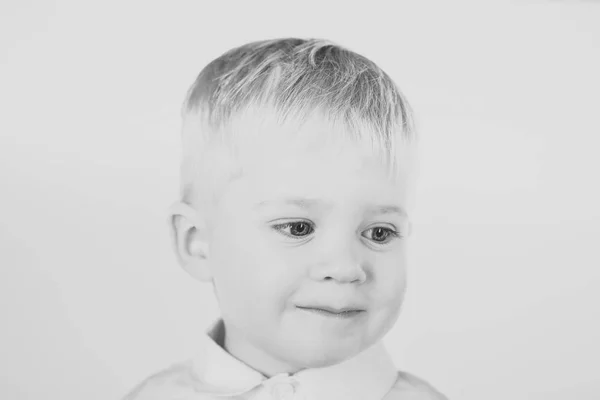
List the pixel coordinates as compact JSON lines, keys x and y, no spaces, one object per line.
{"x":503,"y":298}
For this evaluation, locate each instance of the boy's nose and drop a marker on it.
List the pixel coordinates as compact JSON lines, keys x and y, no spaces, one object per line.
{"x":344,"y":265}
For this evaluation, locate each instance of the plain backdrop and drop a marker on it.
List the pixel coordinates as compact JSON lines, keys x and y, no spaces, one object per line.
{"x":503,"y":299}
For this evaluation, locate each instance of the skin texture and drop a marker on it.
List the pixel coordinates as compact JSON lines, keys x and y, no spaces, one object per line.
{"x":329,"y":247}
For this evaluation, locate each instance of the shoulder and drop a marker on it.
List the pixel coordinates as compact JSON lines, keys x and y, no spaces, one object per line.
{"x":175,"y":382}
{"x":410,"y":387}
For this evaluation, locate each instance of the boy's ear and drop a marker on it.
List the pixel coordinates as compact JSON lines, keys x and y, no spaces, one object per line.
{"x":190,"y":240}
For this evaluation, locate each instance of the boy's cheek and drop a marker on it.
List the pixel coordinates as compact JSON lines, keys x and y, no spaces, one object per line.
{"x":390,"y":278}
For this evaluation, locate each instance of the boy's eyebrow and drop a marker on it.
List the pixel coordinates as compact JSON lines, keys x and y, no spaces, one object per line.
{"x":311,"y":203}
{"x":295,"y":201}
{"x":389,"y":209}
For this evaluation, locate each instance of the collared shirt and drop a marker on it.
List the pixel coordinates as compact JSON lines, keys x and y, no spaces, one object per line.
{"x":214,"y":374}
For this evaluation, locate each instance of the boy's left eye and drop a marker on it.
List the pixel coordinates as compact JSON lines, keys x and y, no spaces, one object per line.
{"x":380,"y":234}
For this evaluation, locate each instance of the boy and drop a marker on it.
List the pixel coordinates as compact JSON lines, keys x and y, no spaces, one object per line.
{"x":297,"y":181}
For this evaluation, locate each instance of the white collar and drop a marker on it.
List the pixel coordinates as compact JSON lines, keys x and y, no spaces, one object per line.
{"x":370,"y":374}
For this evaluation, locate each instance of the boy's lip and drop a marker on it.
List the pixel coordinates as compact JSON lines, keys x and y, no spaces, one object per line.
{"x":334,"y":310}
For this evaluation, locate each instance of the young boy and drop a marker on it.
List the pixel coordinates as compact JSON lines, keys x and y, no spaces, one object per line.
{"x":297,"y":185}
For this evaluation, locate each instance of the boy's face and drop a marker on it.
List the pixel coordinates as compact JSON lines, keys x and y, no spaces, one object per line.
{"x":302,"y":229}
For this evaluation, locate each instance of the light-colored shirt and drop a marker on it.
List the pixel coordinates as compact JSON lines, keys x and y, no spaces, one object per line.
{"x":215,"y":374}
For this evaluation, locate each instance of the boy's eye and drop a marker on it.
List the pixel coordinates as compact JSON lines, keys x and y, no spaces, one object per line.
{"x":300,"y":229}
{"x":380,"y":234}
{"x":296,"y":229}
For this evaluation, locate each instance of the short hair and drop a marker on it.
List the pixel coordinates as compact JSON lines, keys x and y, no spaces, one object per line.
{"x":294,"y":78}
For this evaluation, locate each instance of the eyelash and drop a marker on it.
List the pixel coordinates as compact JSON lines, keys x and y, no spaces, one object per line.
{"x":281,"y":227}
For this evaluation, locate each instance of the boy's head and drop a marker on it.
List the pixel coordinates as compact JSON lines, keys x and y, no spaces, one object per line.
{"x":297,"y":177}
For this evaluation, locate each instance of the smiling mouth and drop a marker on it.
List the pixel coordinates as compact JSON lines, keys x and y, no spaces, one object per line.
{"x":329,"y":312}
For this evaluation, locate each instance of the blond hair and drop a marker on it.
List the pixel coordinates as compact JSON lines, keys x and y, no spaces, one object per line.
{"x":292,"y":78}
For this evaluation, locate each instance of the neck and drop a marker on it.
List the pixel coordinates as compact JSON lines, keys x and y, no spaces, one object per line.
{"x":239,"y":347}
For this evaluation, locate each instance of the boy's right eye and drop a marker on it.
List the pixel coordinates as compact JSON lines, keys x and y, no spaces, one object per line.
{"x":295,"y":229}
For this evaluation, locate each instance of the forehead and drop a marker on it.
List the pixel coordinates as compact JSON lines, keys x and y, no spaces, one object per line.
{"x":258,"y":135}
{"x":313,"y":160}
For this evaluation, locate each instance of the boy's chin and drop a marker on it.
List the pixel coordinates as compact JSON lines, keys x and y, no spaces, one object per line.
{"x":306,"y":357}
